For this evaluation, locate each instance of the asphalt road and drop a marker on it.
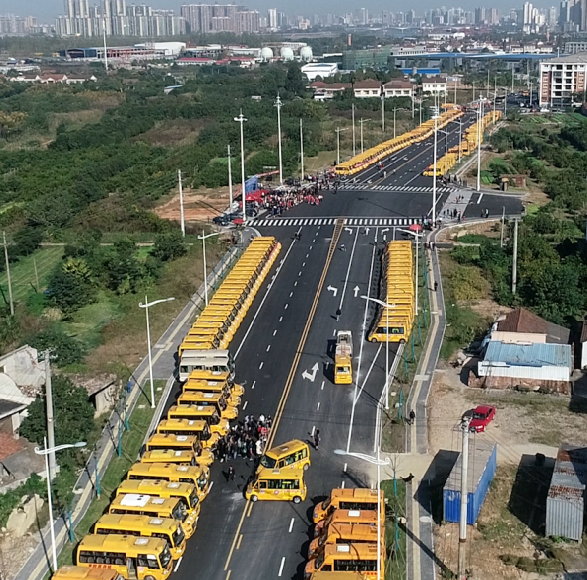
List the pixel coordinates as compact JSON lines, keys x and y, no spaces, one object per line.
{"x":283,"y":357}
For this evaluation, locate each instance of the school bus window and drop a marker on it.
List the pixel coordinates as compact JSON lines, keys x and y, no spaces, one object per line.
{"x":262,"y":485}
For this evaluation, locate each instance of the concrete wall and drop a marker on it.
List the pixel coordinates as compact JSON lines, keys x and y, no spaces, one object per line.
{"x":518,"y":337}
{"x":494,"y":382}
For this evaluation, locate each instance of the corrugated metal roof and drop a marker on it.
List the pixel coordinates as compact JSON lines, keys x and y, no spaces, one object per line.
{"x":479,"y":454}
{"x":566,"y":493}
{"x":538,"y":354}
{"x":575,"y":454}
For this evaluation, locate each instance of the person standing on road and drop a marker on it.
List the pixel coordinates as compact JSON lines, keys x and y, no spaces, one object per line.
{"x":316,"y":439}
{"x":231,"y":473}
{"x":412,"y":416}
{"x":435,"y":286}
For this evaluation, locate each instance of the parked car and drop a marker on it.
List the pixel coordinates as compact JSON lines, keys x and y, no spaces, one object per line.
{"x":482,"y":416}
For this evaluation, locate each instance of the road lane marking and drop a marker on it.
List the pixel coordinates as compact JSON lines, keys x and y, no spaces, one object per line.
{"x":318,"y":406}
{"x":210,"y":486}
{"x":322,"y":387}
{"x":345,"y":467}
{"x":285,"y":307}
{"x":342,"y":484}
{"x":245,"y":405}
{"x":253,"y":385}
{"x":307,"y":255}
{"x":280,"y":318}
{"x":303,"y":264}
{"x":281,"y":567}
{"x":291,"y":524}
{"x":261,"y":365}
{"x":177,"y":564}
{"x":268,"y":348}
{"x":346,"y":278}
{"x":228,"y":575}
{"x":261,"y":304}
{"x":240,"y":540}
{"x":290,"y":294}
{"x":313,"y":430}
{"x":293,"y":370}
{"x":275,"y":332}
{"x":334,"y":332}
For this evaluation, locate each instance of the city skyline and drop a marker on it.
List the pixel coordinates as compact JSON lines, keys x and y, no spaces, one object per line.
{"x":50,"y":9}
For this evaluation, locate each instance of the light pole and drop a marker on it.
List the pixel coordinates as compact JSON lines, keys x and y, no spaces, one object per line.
{"x":479,"y":133}
{"x":146,"y":306}
{"x":229,"y":178}
{"x":354,"y":140}
{"x":382,"y":111}
{"x":302,"y":146}
{"x":278,"y":105}
{"x":416,"y":236}
{"x":394,"y":110}
{"x":203,"y":237}
{"x":377,"y":461}
{"x":361,"y":121}
{"x":435,"y":115}
{"x":387,"y":309}
{"x":338,"y":131}
{"x":46,"y":451}
{"x":241,"y":119}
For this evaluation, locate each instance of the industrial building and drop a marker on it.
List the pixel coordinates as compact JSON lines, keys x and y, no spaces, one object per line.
{"x":560,"y":79}
{"x":481,"y":469}
{"x":538,"y":366}
{"x":323,"y":70}
{"x":565,"y":501}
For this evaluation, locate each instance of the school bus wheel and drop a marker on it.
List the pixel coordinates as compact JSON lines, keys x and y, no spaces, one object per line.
{"x":373,"y":339}
{"x":402,"y":341}
{"x":297,"y":499}
{"x":254,"y":498}
{"x":149,"y":578}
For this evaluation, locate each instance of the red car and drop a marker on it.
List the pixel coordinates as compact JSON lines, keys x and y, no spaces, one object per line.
{"x":482,"y":416}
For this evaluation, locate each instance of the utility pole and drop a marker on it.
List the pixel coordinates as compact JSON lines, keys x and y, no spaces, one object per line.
{"x":361,"y":121}
{"x":241,"y":119}
{"x":354,"y":141}
{"x":473,"y":100}
{"x":495,"y":98}
{"x":394,"y":110}
{"x":182,"y":216}
{"x":105,"y":49}
{"x":515,"y":258}
{"x":338,"y":145}
{"x":479,"y":135}
{"x":8,"y":275}
{"x":50,"y":419}
{"x":383,"y":112}
{"x":229,"y":179}
{"x":502,"y":226}
{"x":278,"y":105}
{"x":464,"y":498}
{"x":505,"y":102}
{"x":434,"y":168}
{"x":302,"y":146}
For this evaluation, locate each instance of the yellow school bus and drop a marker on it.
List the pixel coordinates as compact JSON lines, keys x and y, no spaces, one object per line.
{"x":171,"y":442}
{"x":185,"y":492}
{"x":130,"y":525}
{"x":293,"y":454}
{"x":278,"y":485}
{"x":79,"y":573}
{"x":215,"y":400}
{"x":154,"y":507}
{"x":169,"y":456}
{"x":219,"y":427}
{"x":341,"y":516}
{"x":193,"y":428}
{"x":208,"y":386}
{"x":131,"y":557}
{"x":214,"y":377}
{"x":196,"y":475}
{"x":215,"y":361}
{"x":344,"y":534}
{"x":349,"y":558}
{"x":349,"y":499}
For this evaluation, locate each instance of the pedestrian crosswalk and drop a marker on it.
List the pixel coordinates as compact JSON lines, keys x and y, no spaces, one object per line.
{"x":369,"y":222}
{"x":397,"y":188}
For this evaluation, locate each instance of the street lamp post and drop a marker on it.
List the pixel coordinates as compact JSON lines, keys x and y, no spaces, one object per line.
{"x":278,"y":105}
{"x":479,"y":133}
{"x":302,"y":147}
{"x":338,"y":131}
{"x":146,"y":306}
{"x":203,"y":237}
{"x":382,"y":111}
{"x":361,"y":121}
{"x":241,"y":119}
{"x":377,"y":461}
{"x":434,"y":167}
{"x":354,"y":141}
{"x":394,"y":110}
{"x":387,"y":308}
{"x":46,"y":451}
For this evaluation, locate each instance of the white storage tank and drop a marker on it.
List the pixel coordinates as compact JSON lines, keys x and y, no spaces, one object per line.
{"x":287,"y":53}
{"x":306,"y":54}
{"x":266,"y":53}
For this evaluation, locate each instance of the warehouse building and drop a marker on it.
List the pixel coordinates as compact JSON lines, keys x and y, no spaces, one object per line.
{"x":535,"y":366}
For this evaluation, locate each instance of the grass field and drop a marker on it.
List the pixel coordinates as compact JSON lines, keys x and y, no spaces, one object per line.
{"x":22,"y":273}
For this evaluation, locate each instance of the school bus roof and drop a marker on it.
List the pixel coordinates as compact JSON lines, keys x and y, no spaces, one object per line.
{"x":115,"y":542}
{"x":287,"y":473}
{"x":145,"y":503}
{"x":188,"y":410}
{"x":285,"y":449}
{"x":83,"y":573}
{"x":319,"y":575}
{"x":187,"y":424}
{"x":360,"y":493}
{"x":350,"y":516}
{"x":165,"y":470}
{"x":176,"y":456}
{"x":153,"y":487}
{"x":161,"y":438}
{"x":135,"y":522}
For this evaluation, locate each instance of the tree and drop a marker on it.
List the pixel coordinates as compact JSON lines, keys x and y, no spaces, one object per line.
{"x":70,"y":286}
{"x":169,"y":246}
{"x":72,"y":410}
{"x":64,"y":349}
{"x":294,"y":81}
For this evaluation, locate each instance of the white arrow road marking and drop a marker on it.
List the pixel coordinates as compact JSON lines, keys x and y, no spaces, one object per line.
{"x":356,"y":291}
{"x":311,"y":376}
{"x":333,"y":290}
{"x":349,"y":230}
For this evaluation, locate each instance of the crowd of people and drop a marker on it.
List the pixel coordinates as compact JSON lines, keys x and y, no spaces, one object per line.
{"x":246,"y":439}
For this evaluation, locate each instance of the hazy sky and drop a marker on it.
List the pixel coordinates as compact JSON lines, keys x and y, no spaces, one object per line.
{"x":47,"y":10}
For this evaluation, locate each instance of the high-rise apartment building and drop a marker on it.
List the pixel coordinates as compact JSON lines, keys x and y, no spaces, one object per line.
{"x":561,"y":78}
{"x":222,"y":18}
{"x":272,"y":18}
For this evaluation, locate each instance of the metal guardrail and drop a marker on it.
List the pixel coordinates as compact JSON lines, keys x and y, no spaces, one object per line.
{"x":39,"y":565}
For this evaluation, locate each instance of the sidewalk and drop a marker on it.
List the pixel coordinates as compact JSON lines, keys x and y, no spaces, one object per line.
{"x":38,"y":565}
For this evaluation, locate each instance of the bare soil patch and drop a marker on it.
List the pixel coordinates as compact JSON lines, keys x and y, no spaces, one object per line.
{"x":172,"y":133}
{"x":201,"y":205}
